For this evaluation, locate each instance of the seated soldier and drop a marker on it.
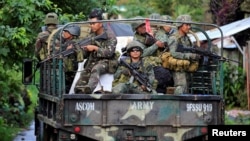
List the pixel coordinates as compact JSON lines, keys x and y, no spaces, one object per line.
{"x":100,"y":55}
{"x":125,"y":81}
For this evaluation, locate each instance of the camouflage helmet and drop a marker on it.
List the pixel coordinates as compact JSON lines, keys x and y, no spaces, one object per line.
{"x":136,"y":24}
{"x":51,"y":18}
{"x":183,"y":18}
{"x":134,"y":44}
{"x":73,"y":29}
{"x":166,"y":17}
{"x":155,"y":16}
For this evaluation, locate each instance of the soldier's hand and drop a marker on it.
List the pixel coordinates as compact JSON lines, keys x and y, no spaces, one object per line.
{"x":143,"y":88}
{"x":69,"y":47}
{"x":90,"y":48}
{"x":160,"y":44}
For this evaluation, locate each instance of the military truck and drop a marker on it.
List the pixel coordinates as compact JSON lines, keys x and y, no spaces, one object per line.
{"x":62,"y":116}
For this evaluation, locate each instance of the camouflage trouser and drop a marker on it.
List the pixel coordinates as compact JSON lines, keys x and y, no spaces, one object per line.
{"x":129,"y":88}
{"x":90,"y":77}
{"x":180,"y":82}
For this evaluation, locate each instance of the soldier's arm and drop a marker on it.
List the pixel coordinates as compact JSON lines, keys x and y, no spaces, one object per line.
{"x":108,"y":50}
{"x":148,"y":51}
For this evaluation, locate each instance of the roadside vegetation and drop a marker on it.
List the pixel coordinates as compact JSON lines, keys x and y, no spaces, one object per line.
{"x":20,"y":25}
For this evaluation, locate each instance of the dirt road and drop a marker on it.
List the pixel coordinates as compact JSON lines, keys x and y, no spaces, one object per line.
{"x":26,"y":135}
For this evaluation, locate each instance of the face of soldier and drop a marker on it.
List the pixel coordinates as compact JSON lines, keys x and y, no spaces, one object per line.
{"x":96,"y":26}
{"x":51,"y":27}
{"x":66,"y":35}
{"x":184,"y":29}
{"x":135,"y":53}
{"x":141,"y":29}
{"x":167,"y":28}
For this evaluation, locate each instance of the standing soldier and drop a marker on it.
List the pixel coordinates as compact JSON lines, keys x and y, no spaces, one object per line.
{"x":100,"y":55}
{"x":168,"y":28}
{"x":180,"y":75}
{"x":124,"y":80}
{"x":51,"y":21}
{"x":70,"y":36}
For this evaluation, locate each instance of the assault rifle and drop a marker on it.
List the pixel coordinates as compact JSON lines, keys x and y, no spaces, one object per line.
{"x":201,"y":52}
{"x":83,"y":42}
{"x":142,"y":79}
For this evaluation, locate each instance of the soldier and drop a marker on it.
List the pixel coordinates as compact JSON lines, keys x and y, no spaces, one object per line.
{"x":124,"y":82}
{"x":152,"y":49}
{"x":100,"y":55}
{"x":180,"y":38}
{"x":51,"y":21}
{"x":70,"y":36}
{"x":151,"y":45}
{"x":168,"y":28}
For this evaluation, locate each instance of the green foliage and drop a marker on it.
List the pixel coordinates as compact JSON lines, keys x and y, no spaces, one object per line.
{"x":226,"y":11}
{"x":6,"y":136}
{"x":18,"y":30}
{"x":234,"y":86}
{"x":239,"y":120}
{"x":74,"y":7}
{"x":137,"y":8}
{"x":66,"y":18}
{"x":173,"y":8}
{"x":19,"y":23}
{"x":14,"y":102}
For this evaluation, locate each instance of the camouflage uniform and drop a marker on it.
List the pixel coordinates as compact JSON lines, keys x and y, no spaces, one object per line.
{"x":124,"y":83}
{"x":98,"y":62}
{"x":149,"y":50}
{"x":153,"y":52}
{"x":41,"y":49}
{"x":181,"y":77}
{"x":71,"y":61}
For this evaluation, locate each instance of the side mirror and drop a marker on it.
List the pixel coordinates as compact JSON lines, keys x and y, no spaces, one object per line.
{"x":27,"y":74}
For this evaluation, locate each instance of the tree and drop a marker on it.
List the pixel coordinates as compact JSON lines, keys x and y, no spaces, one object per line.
{"x":173,"y":8}
{"x":75,"y":7}
{"x":19,"y":25}
{"x":226,"y":11}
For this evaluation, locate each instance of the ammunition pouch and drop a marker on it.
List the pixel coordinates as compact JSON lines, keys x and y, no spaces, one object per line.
{"x":172,"y":63}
